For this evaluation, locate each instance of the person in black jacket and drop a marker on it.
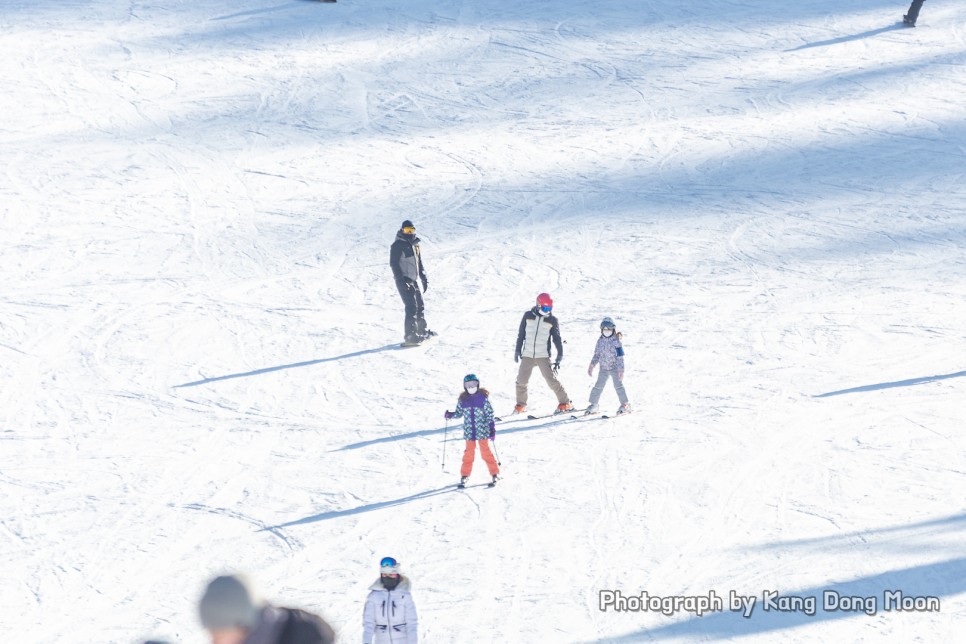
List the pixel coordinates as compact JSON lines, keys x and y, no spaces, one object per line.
{"x":913,"y":14}
{"x":538,"y":329}
{"x":407,"y":269}
{"x":232,"y":613}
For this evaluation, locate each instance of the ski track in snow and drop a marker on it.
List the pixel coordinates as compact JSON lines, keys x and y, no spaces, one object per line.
{"x":198,"y":334}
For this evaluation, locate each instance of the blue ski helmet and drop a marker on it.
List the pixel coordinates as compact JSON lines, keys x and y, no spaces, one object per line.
{"x":607,"y":323}
{"x":470,"y":377}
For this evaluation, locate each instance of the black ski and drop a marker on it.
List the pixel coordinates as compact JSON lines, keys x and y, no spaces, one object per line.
{"x":560,"y":412}
{"x":511,"y":418}
{"x":429,"y":336}
{"x":466,"y":487}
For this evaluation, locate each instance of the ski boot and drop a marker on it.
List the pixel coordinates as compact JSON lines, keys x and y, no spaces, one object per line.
{"x":563,"y":408}
{"x":624,"y":409}
{"x":496,"y":477}
{"x":591,"y":409}
{"x":519,"y":409}
{"x":909,"y":22}
{"x":462,"y":483}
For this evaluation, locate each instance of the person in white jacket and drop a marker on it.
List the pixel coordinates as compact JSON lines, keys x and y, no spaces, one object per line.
{"x":390,"y":614}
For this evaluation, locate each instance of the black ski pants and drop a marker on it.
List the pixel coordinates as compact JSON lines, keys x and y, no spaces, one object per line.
{"x":913,"y":13}
{"x":412,"y":297}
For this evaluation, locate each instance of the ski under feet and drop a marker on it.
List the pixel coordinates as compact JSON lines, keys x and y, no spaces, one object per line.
{"x":463,"y":479}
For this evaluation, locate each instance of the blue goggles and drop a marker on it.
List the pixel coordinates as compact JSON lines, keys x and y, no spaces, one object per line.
{"x":388,"y":562}
{"x":546,"y":309}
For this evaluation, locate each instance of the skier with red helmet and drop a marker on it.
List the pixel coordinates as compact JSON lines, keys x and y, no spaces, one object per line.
{"x":538,"y":330}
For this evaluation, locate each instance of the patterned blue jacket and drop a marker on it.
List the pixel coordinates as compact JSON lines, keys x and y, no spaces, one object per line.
{"x":477,"y":414}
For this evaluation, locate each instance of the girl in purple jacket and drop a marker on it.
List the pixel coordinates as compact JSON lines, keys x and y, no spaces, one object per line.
{"x":610,"y":355}
{"x":476,"y":411}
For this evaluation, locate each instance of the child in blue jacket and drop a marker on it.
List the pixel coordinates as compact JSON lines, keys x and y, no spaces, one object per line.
{"x":476,"y":411}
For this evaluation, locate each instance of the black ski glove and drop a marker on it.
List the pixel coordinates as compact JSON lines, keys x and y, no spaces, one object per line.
{"x":556,"y":366}
{"x":516,"y":357}
{"x":425,"y":283}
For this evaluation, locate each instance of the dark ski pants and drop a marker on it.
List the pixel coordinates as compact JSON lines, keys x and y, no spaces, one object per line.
{"x":523,"y":379}
{"x":415,"y":324}
{"x":914,"y":8}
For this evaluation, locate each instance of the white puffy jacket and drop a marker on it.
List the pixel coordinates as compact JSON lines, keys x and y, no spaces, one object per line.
{"x":536,"y":334}
{"x":390,"y":615}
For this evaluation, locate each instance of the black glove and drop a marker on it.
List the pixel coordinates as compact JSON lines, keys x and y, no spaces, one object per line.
{"x":516,"y":357}
{"x":556,"y":367}
{"x":425,"y":284}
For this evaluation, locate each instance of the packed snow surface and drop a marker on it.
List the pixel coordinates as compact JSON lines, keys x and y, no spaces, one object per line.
{"x":199,"y":330}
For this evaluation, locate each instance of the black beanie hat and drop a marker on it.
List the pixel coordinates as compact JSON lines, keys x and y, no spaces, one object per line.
{"x":407,"y":224}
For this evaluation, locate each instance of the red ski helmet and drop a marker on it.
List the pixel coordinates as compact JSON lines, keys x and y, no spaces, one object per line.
{"x":544,"y":299}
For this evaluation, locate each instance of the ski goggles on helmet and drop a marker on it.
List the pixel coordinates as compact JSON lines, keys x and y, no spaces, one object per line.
{"x":389,"y":566}
{"x":409,"y":230}
{"x":546,"y":309}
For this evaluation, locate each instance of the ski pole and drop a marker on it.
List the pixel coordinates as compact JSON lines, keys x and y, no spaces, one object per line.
{"x":445,"y":432}
{"x":496,"y":452}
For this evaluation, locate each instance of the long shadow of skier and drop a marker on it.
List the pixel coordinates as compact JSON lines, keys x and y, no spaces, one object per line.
{"x":890,"y":385}
{"x":955,"y":522}
{"x":457,"y":430}
{"x":836,"y":41}
{"x":335,"y":514}
{"x":294,"y":365}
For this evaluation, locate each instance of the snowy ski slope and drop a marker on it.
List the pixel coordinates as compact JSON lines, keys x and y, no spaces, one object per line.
{"x":198,"y":325}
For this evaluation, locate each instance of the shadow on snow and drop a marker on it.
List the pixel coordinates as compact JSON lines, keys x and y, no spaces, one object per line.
{"x":891,"y":385}
{"x":930,"y":526}
{"x":938,"y":579}
{"x":456,"y":429}
{"x":836,"y":41}
{"x":294,"y":365}
{"x":335,"y":514}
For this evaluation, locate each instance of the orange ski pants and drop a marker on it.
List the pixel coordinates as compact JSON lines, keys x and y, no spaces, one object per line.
{"x":470,"y":452}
